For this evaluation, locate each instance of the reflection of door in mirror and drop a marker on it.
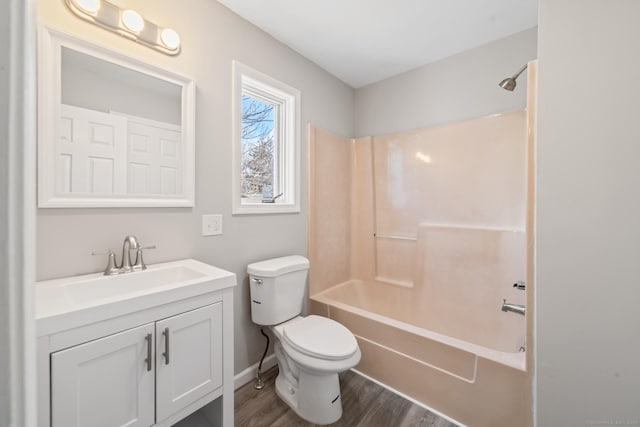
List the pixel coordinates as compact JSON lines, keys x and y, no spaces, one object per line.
{"x":90,"y":152}
{"x":114,"y":153}
{"x":153,"y":157}
{"x":121,"y":130}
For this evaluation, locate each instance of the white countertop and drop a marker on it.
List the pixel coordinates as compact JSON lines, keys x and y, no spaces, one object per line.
{"x":70,"y":302}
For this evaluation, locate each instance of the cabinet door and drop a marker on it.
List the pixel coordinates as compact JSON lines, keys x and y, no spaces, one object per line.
{"x":189,"y":358}
{"x":107,"y":382}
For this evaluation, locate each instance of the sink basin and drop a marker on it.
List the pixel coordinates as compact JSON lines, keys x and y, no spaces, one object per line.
{"x":113,"y":286}
{"x":92,"y":297}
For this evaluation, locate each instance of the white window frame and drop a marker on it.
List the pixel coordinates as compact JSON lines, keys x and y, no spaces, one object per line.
{"x":287,"y":151}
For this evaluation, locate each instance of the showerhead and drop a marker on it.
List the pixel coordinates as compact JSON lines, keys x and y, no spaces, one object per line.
{"x":510,"y":82}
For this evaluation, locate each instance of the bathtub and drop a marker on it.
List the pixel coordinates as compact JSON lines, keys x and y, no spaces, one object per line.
{"x":441,"y":359}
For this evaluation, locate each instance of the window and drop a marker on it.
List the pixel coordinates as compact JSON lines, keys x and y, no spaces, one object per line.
{"x":266,"y":151}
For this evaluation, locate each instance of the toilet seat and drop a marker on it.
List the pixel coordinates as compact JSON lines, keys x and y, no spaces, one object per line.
{"x":320,"y":337}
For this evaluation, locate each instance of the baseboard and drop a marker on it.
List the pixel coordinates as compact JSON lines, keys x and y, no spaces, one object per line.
{"x":409,"y":398}
{"x":249,"y":374}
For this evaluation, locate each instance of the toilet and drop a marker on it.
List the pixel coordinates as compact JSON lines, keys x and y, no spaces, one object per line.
{"x":311,"y":350}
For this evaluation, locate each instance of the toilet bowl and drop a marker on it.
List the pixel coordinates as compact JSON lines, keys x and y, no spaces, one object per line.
{"x":311,"y":350}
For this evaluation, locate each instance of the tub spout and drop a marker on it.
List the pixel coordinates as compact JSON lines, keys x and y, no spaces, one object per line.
{"x":516,"y":308}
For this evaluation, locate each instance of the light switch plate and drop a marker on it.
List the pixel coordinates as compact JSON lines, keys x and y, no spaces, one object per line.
{"x":211,"y":225}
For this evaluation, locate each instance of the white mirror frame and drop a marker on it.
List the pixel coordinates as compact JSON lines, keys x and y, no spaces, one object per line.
{"x":50,"y":43}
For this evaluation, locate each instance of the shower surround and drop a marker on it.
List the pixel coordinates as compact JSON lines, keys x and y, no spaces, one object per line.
{"x":415,"y":239}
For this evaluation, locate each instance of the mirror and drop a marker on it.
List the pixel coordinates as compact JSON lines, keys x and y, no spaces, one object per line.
{"x":112,"y":131}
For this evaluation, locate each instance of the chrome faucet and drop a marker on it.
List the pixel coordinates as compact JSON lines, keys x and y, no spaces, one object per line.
{"x":130,"y":243}
{"x":126,"y":265}
{"x":516,"y":308}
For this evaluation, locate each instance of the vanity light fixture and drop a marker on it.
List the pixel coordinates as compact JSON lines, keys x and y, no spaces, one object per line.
{"x":127,"y":23}
{"x":132,"y":21}
{"x":88,"y":6}
{"x":170,"y":38}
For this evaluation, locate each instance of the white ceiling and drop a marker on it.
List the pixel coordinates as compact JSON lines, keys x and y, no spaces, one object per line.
{"x":364,"y":41}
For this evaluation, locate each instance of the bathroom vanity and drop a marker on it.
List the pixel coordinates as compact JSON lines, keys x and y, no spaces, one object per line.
{"x":145,"y":348}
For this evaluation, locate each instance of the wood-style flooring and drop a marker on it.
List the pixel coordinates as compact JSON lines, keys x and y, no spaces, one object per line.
{"x":365,"y":404}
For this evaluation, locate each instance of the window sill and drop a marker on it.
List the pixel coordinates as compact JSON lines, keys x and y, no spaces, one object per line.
{"x":265,"y":208}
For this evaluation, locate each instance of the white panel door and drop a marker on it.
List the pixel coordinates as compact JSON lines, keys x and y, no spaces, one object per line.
{"x":91,"y":152}
{"x":108,"y":382}
{"x":154,"y":157}
{"x":189,"y":358}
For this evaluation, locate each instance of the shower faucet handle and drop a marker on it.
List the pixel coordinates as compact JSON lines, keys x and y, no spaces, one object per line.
{"x":519,"y":285}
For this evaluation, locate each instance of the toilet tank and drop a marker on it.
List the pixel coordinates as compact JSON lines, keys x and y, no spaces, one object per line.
{"x":277,"y":289}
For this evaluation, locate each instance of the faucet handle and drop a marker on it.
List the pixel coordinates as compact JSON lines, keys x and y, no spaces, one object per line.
{"x":102,"y":252}
{"x":111,"y":268}
{"x":139,"y":264}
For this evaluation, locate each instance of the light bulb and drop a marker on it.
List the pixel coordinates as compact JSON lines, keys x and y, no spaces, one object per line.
{"x":132,"y":20}
{"x":89,"y":6}
{"x":170,"y":38}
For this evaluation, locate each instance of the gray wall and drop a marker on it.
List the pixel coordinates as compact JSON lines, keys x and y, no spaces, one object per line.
{"x":212,"y":37}
{"x":17,"y":213}
{"x":587,"y":208}
{"x":460,"y":87}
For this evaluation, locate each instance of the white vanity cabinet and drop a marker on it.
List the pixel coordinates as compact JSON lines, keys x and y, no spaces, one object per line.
{"x":104,"y":382}
{"x":149,"y":359}
{"x":188,"y":358}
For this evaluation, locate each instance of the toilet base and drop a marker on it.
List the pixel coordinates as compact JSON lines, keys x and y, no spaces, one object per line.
{"x":310,"y":386}
{"x":316,"y":398}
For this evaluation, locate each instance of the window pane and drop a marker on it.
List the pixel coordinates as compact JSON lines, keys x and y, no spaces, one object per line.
{"x":258,"y":145}
{"x":266,"y":144}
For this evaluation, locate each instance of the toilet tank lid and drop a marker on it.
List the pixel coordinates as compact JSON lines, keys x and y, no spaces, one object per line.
{"x":277,"y":266}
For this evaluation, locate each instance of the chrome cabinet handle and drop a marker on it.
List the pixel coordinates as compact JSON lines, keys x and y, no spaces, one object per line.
{"x":166,"y":346}
{"x":148,"y":359}
{"x":257,"y":281}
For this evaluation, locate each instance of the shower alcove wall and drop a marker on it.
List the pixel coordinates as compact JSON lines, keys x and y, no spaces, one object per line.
{"x":415,"y":239}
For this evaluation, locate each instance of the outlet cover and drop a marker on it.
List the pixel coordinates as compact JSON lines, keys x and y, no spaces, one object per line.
{"x":211,"y":225}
